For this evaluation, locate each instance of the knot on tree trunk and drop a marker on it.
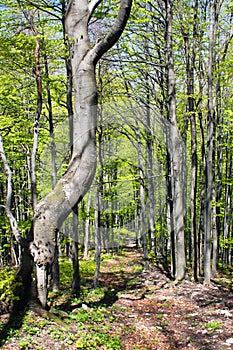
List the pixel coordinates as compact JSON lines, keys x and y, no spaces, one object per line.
{"x":43,"y":254}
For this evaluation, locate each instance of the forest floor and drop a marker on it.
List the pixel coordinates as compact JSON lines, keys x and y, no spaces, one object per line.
{"x":132,"y":309}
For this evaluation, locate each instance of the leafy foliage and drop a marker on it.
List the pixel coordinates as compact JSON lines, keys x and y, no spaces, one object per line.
{"x":8,"y":285}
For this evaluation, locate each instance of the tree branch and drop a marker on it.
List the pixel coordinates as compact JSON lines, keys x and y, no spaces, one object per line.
{"x":92,"y":6}
{"x":13,"y":222}
{"x":115,"y":32}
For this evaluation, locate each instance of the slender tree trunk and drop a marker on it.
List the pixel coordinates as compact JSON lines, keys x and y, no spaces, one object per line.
{"x":142,"y":194}
{"x":215,"y":240}
{"x":98,"y":206}
{"x":75,"y":252}
{"x":87,"y":228}
{"x":38,"y":75}
{"x":169,"y":212}
{"x":210,"y":143}
{"x":150,"y":178}
{"x":26,"y":263}
{"x":175,"y":147}
{"x":217,"y":178}
{"x":219,"y":170}
{"x":55,"y":267}
{"x":190,"y":55}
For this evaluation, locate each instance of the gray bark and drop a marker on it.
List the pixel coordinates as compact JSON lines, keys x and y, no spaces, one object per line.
{"x":87,"y":228}
{"x":55,"y":269}
{"x":97,"y":203}
{"x":175,"y":149}
{"x":150,"y":180}
{"x":142,"y":193}
{"x":190,"y":57}
{"x":70,"y":189}
{"x":209,"y":181}
{"x":75,"y":253}
{"x":12,"y":220}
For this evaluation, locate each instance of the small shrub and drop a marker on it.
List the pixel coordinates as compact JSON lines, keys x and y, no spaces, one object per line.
{"x":8,"y":285}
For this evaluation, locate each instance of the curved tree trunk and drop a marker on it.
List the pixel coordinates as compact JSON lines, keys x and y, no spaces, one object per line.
{"x":70,"y":189}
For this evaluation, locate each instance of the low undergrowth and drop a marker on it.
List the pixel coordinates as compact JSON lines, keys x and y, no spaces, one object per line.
{"x":78,"y":322}
{"x":131,"y":309}
{"x":8,"y":288}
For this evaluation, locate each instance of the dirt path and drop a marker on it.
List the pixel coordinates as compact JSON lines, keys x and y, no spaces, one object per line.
{"x":143,"y":309}
{"x":163,"y":315}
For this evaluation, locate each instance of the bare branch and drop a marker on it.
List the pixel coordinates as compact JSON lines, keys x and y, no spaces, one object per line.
{"x":92,"y":6}
{"x":115,"y":32}
{"x":46,"y":10}
{"x":13,"y":222}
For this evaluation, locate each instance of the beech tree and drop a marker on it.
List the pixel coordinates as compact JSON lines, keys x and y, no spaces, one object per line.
{"x":174,"y":99}
{"x":70,"y":189}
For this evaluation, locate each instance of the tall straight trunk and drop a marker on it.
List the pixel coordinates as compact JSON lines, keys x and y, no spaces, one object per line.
{"x":150,"y":177}
{"x":75,"y":252}
{"x":219,"y":170}
{"x":210,"y":143}
{"x":217,"y":179}
{"x":51,"y":123}
{"x":70,"y":189}
{"x":29,"y":15}
{"x":36,"y":123}
{"x":69,"y":107}
{"x":202,"y":193}
{"x":175,"y":148}
{"x":87,"y":228}
{"x":97,"y":237}
{"x":214,"y":239}
{"x":98,"y":208}
{"x":55,"y":267}
{"x":190,"y":57}
{"x":142,"y":193}
{"x":193,"y":198}
{"x":169,"y":212}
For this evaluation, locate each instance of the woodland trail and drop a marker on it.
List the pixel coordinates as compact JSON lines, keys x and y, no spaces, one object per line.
{"x":139,"y":310}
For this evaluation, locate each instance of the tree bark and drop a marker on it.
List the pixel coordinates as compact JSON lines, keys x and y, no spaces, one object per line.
{"x":55,"y":268}
{"x":142,"y":191}
{"x":29,"y":15}
{"x":75,"y":253}
{"x":175,"y":148}
{"x":87,"y":228}
{"x":70,"y":189}
{"x":190,"y":57}
{"x":150,"y":177}
{"x":209,"y":183}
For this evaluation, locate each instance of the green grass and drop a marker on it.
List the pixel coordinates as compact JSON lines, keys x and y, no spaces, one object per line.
{"x":87,"y":270}
{"x":212,"y":325}
{"x":93,"y":322}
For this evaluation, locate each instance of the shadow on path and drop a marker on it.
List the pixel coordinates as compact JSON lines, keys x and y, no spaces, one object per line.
{"x":14,"y":322}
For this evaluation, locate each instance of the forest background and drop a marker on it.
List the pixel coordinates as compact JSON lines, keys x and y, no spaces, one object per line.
{"x":164,"y":135}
